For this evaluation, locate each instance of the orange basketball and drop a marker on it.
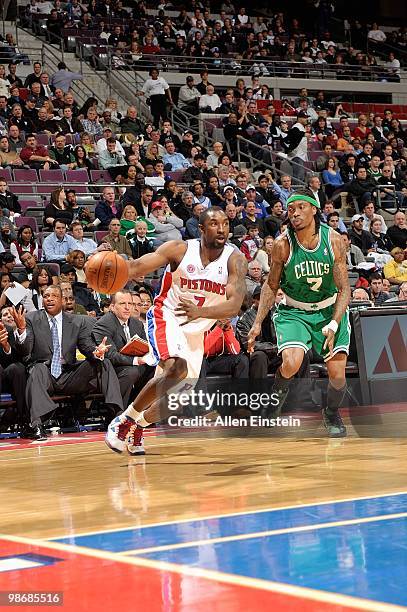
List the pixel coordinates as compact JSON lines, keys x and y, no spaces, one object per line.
{"x":107,"y":272}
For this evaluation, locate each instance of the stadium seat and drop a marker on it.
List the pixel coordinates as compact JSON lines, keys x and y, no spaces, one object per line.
{"x":77,"y":176}
{"x":31,"y":221}
{"x":52,"y":176}
{"x":100,"y":234}
{"x":25,"y":176}
{"x":5,"y":173}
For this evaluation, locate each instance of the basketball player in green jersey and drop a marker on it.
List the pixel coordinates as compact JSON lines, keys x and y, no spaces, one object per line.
{"x":309,"y":264}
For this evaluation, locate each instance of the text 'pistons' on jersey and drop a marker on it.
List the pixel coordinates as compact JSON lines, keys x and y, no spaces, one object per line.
{"x":205,"y":285}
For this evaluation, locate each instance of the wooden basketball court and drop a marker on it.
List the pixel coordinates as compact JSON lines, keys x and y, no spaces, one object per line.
{"x":206,"y":520}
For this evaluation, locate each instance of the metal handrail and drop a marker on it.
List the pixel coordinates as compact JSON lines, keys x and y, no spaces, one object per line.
{"x":275,"y":156}
{"x":234,"y":66}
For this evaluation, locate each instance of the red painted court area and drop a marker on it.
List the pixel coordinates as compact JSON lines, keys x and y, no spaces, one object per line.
{"x":95,"y":583}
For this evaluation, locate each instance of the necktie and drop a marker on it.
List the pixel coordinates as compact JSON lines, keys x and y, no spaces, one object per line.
{"x":126,"y":332}
{"x":56,"y":367}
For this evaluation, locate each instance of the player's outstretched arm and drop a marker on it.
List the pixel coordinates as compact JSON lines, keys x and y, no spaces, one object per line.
{"x":269,"y":290}
{"x":170,"y":252}
{"x":235,"y":294}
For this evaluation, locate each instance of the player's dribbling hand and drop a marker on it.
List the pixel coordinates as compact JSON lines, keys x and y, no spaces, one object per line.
{"x":251,"y":337}
{"x":329,"y":342}
{"x":187,"y":309}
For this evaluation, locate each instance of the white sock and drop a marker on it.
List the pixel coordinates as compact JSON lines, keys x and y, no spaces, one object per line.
{"x":130,"y":412}
{"x":141,"y":420}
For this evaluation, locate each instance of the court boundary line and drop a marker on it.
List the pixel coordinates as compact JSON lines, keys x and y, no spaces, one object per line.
{"x":370,"y":605}
{"x":264,"y":534}
{"x":229,"y":514}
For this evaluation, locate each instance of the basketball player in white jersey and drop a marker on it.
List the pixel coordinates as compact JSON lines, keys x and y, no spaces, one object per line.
{"x":204,"y":280}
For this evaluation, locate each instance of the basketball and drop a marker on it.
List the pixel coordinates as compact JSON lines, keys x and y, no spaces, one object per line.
{"x":107,"y":272}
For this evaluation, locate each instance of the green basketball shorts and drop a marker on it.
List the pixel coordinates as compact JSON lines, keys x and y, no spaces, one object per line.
{"x":303,"y":329}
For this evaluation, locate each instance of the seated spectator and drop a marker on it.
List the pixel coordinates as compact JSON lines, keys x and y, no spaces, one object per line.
{"x":348,"y":168}
{"x":30,"y":266}
{"x":22,"y":122}
{"x":376,"y":293}
{"x":263,"y":255}
{"x":398,"y":231}
{"x":24,"y":243}
{"x":120,"y":244}
{"x":86,"y":245}
{"x":192,"y":225}
{"x":331,"y":177}
{"x":188,"y":97}
{"x":284,"y":191}
{"x":400,"y":297}
{"x":110,"y":159}
{"x":210,"y":101}
{"x":254,"y":276}
{"x":36,"y":156}
{"x":41,"y":280}
{"x":8,"y":157}
{"x":57,"y":208}
{"x":183,"y":209}
{"x":272,"y":223}
{"x":167,"y":226}
{"x":82,"y":294}
{"x":79,"y":213}
{"x":63,"y":153}
{"x":369,"y":215}
{"x":173,"y":160}
{"x":68,"y":301}
{"x":358,"y":236}
{"x":199,"y":194}
{"x":354,"y":255}
{"x":252,"y":243}
{"x":396,"y":269}
{"x":140,"y":243}
{"x":86,"y":141}
{"x":128,"y":220}
{"x":198,"y":170}
{"x":222,"y":353}
{"x":82,"y":162}
{"x":57,"y":245}
{"x":130,"y":124}
{"x":101,"y":144}
{"x":9,"y":203}
{"x":7,"y":231}
{"x":213,"y":158}
{"x":264,"y":358}
{"x":43,"y":124}
{"x":106,"y":209}
{"x":91,"y":124}
{"x":361,"y":295}
{"x":381,"y":240}
{"x":363,"y":186}
{"x":69,"y":124}
{"x":77,"y":259}
{"x":362,"y":130}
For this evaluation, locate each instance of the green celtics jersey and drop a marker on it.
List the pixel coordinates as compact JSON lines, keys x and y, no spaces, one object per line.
{"x":308,"y":274}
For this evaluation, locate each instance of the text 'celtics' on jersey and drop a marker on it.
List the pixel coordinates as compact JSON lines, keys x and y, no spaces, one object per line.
{"x":308,"y":273}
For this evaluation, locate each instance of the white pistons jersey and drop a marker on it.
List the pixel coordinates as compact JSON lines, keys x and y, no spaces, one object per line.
{"x":205,"y":286}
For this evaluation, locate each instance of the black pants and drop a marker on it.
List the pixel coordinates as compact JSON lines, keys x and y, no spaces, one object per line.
{"x":88,"y":377}
{"x":132,"y":379}
{"x":158,"y":107}
{"x":262,"y":363}
{"x":13,"y":379}
{"x":235,"y":365}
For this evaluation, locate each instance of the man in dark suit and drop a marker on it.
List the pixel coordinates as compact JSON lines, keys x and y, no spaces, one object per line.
{"x":118,"y":326}
{"x":50,"y":338}
{"x":13,"y":375}
{"x":69,"y":124}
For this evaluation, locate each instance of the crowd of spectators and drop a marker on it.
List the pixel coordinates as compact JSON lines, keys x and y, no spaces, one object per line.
{"x":216,"y":40}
